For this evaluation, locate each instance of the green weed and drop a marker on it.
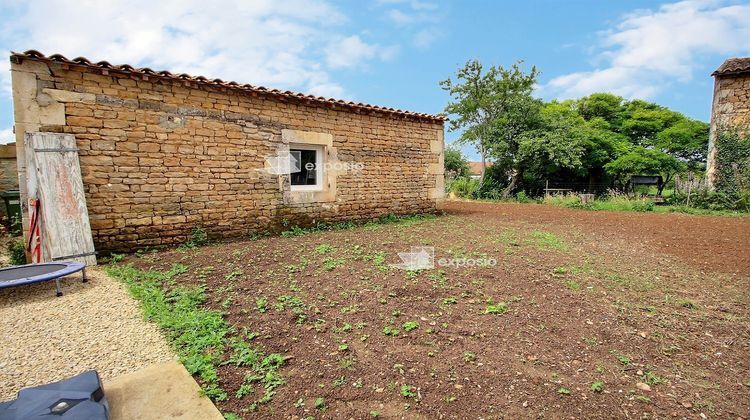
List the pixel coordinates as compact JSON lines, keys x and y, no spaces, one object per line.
{"x":547,"y":241}
{"x":198,"y":335}
{"x":323,"y":249}
{"x":597,"y":386}
{"x":498,"y":308}
{"x":261,"y":304}
{"x":407,"y":391}
{"x":391,"y":331}
{"x":410,"y":325}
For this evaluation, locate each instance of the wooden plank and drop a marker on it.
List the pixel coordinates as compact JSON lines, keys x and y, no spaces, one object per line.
{"x":54,"y":177}
{"x":31,"y":195}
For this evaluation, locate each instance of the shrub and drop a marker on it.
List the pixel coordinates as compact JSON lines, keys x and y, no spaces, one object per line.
{"x":564,"y":200}
{"x":465,"y":187}
{"x":521,"y":197}
{"x":643,"y":205}
{"x":198,"y":237}
{"x":17,"y":252}
{"x":713,"y":200}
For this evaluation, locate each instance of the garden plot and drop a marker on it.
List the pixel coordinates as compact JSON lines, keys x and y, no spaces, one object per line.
{"x":581,"y":313}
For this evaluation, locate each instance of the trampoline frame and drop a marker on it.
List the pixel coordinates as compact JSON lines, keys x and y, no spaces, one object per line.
{"x":70,"y":268}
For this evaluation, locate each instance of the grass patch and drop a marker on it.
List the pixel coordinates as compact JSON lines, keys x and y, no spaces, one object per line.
{"x":200,"y":336}
{"x":624,"y":203}
{"x":627,"y":282}
{"x":547,"y":241}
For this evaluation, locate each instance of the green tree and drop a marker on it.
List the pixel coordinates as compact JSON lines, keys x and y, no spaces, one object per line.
{"x":687,"y":139}
{"x":556,"y":143}
{"x":642,"y":161}
{"x":606,"y":106}
{"x":456,"y":165}
{"x":642,"y":121}
{"x":491,"y":107}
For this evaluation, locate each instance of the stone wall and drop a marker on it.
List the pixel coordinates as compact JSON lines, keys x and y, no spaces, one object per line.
{"x":8,"y":171}
{"x":730,"y":108}
{"x":159,"y":157}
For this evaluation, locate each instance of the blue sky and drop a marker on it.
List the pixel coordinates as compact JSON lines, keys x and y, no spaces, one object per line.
{"x":394,"y":52}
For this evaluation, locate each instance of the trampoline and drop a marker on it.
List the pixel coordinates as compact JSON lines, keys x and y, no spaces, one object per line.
{"x":37,"y":273}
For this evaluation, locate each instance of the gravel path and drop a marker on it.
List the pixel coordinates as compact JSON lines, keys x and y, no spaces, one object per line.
{"x":94,"y":325}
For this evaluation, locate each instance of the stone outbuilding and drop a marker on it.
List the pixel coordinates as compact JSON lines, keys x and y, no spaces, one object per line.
{"x":731,"y":104}
{"x":161,"y":154}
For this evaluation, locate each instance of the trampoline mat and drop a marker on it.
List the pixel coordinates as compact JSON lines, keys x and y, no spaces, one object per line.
{"x":24,"y":272}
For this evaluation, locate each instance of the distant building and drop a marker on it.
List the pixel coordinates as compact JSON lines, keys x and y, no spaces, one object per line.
{"x":475,"y":169}
{"x":731,"y":104}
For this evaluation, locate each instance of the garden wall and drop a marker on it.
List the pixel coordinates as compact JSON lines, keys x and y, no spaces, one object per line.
{"x":162,"y":154}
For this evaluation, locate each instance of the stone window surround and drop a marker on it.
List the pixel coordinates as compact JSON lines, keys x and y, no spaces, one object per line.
{"x":327,"y":192}
{"x":320,"y":163}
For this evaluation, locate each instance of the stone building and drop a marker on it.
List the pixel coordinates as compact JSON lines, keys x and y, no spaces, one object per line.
{"x":162,"y":154}
{"x":8,"y":171}
{"x":731,"y":104}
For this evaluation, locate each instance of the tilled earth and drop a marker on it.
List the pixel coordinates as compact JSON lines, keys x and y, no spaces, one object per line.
{"x":599,"y":314}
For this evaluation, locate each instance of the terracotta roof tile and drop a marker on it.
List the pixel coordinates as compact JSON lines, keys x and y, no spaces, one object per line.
{"x":475,"y":168}
{"x":733,"y":66}
{"x":145,"y":71}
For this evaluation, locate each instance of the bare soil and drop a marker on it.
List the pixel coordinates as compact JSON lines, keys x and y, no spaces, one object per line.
{"x":609,"y":315}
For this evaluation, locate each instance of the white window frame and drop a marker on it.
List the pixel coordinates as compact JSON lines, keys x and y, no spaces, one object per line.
{"x":319,"y":167}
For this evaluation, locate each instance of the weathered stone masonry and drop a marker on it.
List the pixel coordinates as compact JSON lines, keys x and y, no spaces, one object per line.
{"x":162,"y":155}
{"x":731,"y":104}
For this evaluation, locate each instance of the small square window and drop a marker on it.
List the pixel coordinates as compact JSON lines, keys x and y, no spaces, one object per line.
{"x":307,"y":168}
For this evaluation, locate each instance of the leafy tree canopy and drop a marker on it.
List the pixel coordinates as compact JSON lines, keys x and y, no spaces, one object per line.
{"x":455,"y":163}
{"x":687,"y":139}
{"x":493,"y":107}
{"x":642,"y":161}
{"x":592,"y":140}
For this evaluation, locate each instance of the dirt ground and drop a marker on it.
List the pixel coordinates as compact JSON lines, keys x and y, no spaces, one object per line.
{"x":585,"y":314}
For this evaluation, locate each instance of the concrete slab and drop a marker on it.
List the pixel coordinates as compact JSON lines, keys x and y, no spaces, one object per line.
{"x":163,"y":391}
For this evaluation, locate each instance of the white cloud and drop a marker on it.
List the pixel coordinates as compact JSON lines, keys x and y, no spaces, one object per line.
{"x":414,"y":18}
{"x":647,"y":50}
{"x":351,"y":51}
{"x":400,"y":18}
{"x":414,"y":4}
{"x":7,"y":136}
{"x":280,"y":44}
{"x":426,"y":37}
